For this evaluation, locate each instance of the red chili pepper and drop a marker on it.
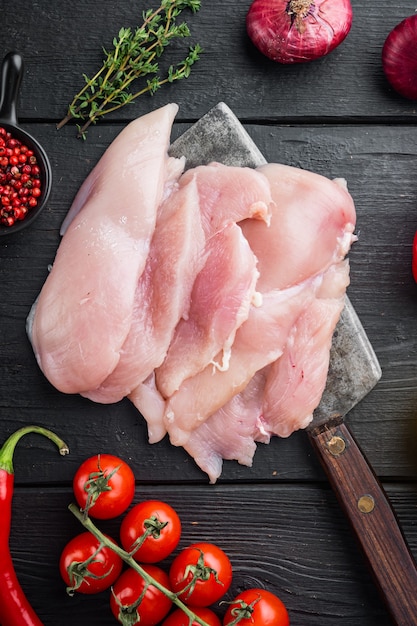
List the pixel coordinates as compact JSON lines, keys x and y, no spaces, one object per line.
{"x":15,"y":609}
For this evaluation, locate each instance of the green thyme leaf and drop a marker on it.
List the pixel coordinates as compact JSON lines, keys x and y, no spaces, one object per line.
{"x":135,"y":56}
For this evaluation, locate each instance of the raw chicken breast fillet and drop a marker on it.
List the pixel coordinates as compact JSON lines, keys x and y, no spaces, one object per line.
{"x":225,"y":287}
{"x":193,"y":233}
{"x":207,"y":297}
{"x":162,"y":295}
{"x":230,"y":194}
{"x":219,"y":304}
{"x":295,"y":382}
{"x":307,"y":209}
{"x":231,"y":433}
{"x":84,"y":311}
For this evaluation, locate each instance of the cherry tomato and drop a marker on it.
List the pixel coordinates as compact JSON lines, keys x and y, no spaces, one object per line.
{"x":179,"y":618}
{"x":203,"y":573}
{"x":104,"y":485}
{"x":87,"y":568}
{"x":129,"y":587}
{"x":159,"y":526}
{"x":256,"y":607}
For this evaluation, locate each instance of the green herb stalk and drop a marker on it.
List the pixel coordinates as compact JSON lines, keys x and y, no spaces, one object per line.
{"x":134,"y":55}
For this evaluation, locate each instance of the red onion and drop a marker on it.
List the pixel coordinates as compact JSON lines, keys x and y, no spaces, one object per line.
{"x":399,"y":58}
{"x":295,"y":31}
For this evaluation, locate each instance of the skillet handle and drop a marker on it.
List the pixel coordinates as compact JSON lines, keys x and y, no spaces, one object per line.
{"x":11,"y":77}
{"x":372,"y":518}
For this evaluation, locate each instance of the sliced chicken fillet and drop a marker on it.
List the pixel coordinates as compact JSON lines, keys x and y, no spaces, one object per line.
{"x":230,"y":194}
{"x":307,"y":208}
{"x":231,"y":432}
{"x":258,"y":342}
{"x":220,"y":301}
{"x":163,"y":293}
{"x":311,"y":227}
{"x":151,"y":405}
{"x":296,"y":381}
{"x":84,"y":311}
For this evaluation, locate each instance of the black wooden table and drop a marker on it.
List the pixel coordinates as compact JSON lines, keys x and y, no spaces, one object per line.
{"x":279,"y":521}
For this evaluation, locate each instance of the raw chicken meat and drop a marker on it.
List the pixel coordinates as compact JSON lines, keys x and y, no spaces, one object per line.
{"x":162,"y":295}
{"x":89,"y":293}
{"x":232,"y":432}
{"x":220,"y":300}
{"x":188,"y":225}
{"x":281,"y":397}
{"x":230,"y":194}
{"x":296,"y":381}
{"x":307,"y":209}
{"x":151,"y":405}
{"x":258,"y":342}
{"x":311,"y":226}
{"x":225,"y":287}
{"x":216,"y":290}
{"x":260,"y":347}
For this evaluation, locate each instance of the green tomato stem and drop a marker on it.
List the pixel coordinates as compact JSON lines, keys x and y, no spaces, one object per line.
{"x":127,"y":558}
{"x":7,"y":450}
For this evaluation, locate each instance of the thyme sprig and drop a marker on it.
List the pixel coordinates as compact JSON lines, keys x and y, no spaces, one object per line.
{"x":135,"y":55}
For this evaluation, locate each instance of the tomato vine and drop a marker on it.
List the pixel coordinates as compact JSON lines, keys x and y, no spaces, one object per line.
{"x":129,"y":560}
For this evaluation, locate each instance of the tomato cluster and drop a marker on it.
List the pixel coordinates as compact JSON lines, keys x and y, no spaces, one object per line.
{"x":145,"y":592}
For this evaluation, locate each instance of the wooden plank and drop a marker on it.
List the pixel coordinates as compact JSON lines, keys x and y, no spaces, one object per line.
{"x":336,"y":116}
{"x":379,"y":164}
{"x":61,"y":41}
{"x":294,"y":541}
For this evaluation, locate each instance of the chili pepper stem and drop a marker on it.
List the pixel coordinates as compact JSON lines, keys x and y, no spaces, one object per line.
{"x":7,"y":450}
{"x":127,"y":558}
{"x":15,"y":609}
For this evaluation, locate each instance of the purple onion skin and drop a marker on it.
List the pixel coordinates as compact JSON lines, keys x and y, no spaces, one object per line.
{"x":399,"y":58}
{"x":286,"y":39}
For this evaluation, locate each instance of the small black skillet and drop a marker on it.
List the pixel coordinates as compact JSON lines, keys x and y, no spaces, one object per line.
{"x":11,"y":77}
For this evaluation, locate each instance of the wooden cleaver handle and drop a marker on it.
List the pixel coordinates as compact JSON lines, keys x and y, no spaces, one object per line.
{"x":372,"y":518}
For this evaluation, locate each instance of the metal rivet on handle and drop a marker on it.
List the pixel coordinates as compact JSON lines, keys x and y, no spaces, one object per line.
{"x":366,"y":504}
{"x":336,"y":445}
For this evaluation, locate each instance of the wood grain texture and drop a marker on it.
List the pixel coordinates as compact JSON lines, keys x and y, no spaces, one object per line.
{"x":61,"y":41}
{"x":382,"y":182}
{"x":371,"y":517}
{"x":279,"y":520}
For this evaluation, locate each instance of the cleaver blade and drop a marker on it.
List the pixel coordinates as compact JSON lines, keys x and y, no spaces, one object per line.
{"x":353,"y":372}
{"x":354,"y":369}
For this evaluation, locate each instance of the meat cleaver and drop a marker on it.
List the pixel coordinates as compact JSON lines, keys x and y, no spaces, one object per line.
{"x":354,"y":370}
